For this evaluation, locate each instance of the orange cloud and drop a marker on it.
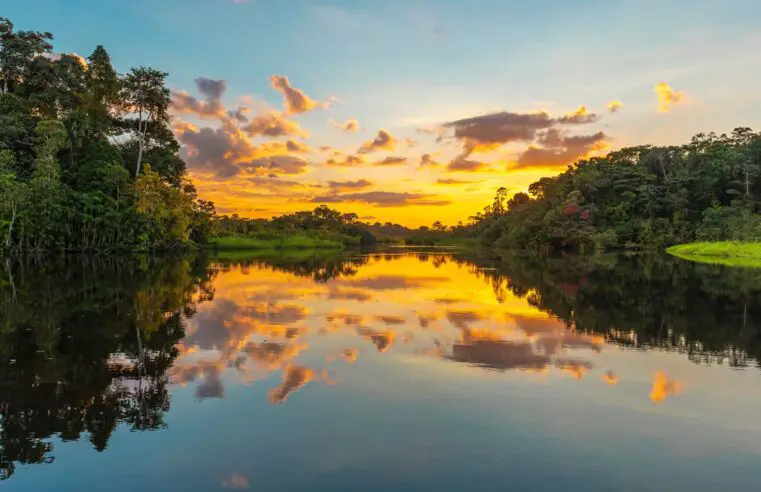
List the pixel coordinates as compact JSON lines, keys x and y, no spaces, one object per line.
{"x":490,"y":131}
{"x":294,"y":378}
{"x":296,"y":102}
{"x":80,"y":59}
{"x":461,"y":164}
{"x":285,"y":164}
{"x":427,"y":160}
{"x":575,"y":368}
{"x":663,"y":387}
{"x":296,"y":147}
{"x":667,"y":96}
{"x":184,"y":103}
{"x":383,"y":141}
{"x":349,"y":185}
{"x":350,"y":161}
{"x":454,"y":182}
{"x":210,"y":107}
{"x":381,"y":339}
{"x":273,"y":124}
{"x":614,"y":106}
{"x":392,"y":160}
{"x":219,"y":150}
{"x":559,"y":150}
{"x":580,"y":116}
{"x":499,"y":354}
{"x":610,"y":378}
{"x":271,"y":356}
{"x":382,"y":199}
{"x":349,"y":355}
{"x":350,"y":126}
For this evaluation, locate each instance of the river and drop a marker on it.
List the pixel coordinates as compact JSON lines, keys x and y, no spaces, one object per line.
{"x":397,"y":370}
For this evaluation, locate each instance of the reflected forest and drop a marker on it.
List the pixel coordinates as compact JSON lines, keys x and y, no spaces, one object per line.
{"x":84,"y":346}
{"x":86,"y":343}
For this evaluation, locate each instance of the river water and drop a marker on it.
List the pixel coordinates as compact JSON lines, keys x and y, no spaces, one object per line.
{"x":398,"y":370}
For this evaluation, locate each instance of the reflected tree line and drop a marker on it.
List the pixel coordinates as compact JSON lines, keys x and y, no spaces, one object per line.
{"x":84,"y":347}
{"x":710,"y":313}
{"x":319,"y":268}
{"x":85,"y":343}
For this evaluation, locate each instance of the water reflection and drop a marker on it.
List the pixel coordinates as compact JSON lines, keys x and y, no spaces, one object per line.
{"x":706,"y":312}
{"x":86,"y":347}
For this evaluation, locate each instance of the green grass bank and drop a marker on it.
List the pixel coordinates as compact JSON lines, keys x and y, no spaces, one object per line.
{"x":280,"y":243}
{"x":729,"y":253}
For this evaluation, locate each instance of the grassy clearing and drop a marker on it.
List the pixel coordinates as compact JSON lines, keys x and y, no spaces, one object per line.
{"x":289,"y":242}
{"x":729,"y":253}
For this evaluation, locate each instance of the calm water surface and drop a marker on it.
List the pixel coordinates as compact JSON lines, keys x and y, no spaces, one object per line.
{"x":397,"y":371}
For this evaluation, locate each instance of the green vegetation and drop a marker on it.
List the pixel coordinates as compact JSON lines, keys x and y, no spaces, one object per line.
{"x":285,"y":242}
{"x":88,"y":161}
{"x":638,"y":197}
{"x":319,"y":228}
{"x":728,"y":253}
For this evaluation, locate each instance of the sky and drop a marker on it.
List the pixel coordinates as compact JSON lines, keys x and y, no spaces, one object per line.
{"x":413,"y":111}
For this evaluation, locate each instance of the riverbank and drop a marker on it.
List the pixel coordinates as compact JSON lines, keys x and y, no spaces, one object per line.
{"x":236,"y":243}
{"x":730,"y":253}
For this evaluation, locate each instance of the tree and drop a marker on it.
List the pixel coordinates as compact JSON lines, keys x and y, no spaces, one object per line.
{"x":18,"y":49}
{"x":51,"y":135}
{"x":645,"y":196}
{"x":166,"y":211}
{"x":12,"y":194}
{"x":64,"y":182}
{"x":146,"y":99}
{"x":498,"y":207}
{"x":102,"y":92}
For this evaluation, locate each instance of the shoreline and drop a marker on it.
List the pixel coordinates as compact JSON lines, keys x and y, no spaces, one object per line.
{"x":728,"y":253}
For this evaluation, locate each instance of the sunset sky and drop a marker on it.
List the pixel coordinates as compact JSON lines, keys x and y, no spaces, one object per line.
{"x":412,"y":111}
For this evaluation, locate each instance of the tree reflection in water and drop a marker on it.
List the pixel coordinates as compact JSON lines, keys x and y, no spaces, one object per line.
{"x":710,"y":313}
{"x":87,"y":345}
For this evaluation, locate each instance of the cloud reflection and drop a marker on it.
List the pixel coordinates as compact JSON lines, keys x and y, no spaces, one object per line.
{"x":271,"y":318}
{"x":664,"y":387}
{"x":294,"y":378}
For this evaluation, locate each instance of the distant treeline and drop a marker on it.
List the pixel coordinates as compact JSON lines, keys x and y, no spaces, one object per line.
{"x":642,"y":197}
{"x":87,"y":158}
{"x":332,"y":225}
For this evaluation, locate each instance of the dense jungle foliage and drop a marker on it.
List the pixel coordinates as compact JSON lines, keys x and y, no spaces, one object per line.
{"x":644,"y":196}
{"x":87,"y":159}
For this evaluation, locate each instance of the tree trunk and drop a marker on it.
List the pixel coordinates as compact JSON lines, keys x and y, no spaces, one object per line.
{"x":10,"y":228}
{"x":139,"y":156}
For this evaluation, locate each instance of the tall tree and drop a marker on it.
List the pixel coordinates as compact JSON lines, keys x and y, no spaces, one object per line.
{"x":146,"y":99}
{"x":18,"y":49}
{"x":102,"y":92}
